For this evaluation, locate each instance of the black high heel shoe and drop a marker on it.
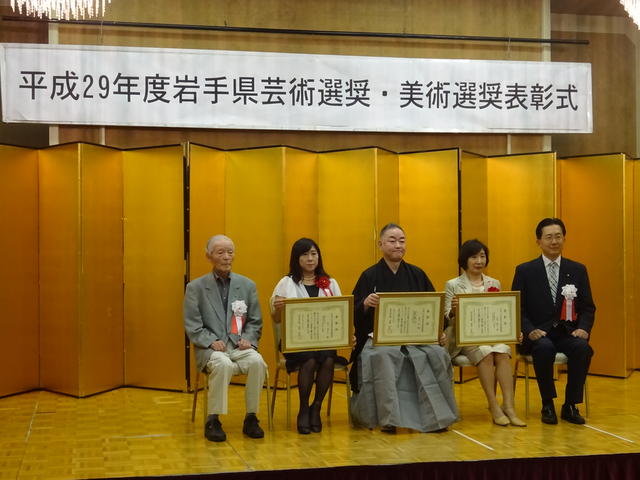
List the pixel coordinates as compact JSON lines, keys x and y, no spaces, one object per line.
{"x":315,"y":422}
{"x":303,"y":423}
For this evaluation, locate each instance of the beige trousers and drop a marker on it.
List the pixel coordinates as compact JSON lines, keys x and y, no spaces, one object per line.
{"x":222,"y":366}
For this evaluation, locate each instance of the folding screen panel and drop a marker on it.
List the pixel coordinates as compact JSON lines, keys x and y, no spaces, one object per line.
{"x":636,"y":262}
{"x":300,"y":201}
{"x":254,"y":221}
{"x":19,"y":323}
{"x":347,"y":220}
{"x":594,"y":203}
{"x":631,"y":250}
{"x":59,"y":190}
{"x":473,"y":197}
{"x":521,"y":191}
{"x":428,"y":198}
{"x":154,"y":267}
{"x":206,"y":203}
{"x":101,"y":297}
{"x":80,"y":269}
{"x":300,"y":216}
{"x":387,"y":187}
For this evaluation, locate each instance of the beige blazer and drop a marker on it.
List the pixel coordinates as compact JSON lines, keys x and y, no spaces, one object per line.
{"x":454,"y":286}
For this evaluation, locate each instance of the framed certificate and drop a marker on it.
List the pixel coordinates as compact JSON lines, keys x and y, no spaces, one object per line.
{"x":317,"y":323}
{"x":408,"y":318}
{"x":488,"y":318}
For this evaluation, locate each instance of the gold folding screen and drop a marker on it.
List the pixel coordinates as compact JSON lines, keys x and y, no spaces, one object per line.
{"x":154,"y":267}
{"x":206,"y":203}
{"x":347,"y":213}
{"x":19,"y":324}
{"x":473,"y":196}
{"x":596,"y":203}
{"x":108,"y":217}
{"x":265,"y":199}
{"x":428,"y":194}
{"x":521,"y":191}
{"x":80,"y":246}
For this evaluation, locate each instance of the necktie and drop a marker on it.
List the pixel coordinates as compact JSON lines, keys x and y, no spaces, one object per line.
{"x":552,"y":273}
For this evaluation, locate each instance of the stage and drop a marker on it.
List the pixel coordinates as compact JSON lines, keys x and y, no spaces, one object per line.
{"x":133,"y":432}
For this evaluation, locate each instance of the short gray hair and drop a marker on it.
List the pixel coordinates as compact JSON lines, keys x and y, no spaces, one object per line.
{"x":216,"y":238}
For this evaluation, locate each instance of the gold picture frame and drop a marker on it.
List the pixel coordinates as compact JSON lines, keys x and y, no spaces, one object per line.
{"x":488,"y":318}
{"x":409,"y":318}
{"x":317,"y":323}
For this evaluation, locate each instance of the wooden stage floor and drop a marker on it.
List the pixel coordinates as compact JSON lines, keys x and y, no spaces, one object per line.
{"x":135,"y":432}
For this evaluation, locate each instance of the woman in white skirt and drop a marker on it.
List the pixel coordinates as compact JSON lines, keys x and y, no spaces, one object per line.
{"x":493,"y":361}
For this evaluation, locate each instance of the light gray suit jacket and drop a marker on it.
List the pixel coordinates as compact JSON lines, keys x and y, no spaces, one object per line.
{"x":205,"y":320}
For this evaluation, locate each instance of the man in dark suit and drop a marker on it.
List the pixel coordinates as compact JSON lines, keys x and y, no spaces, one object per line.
{"x":553,"y":321}
{"x":222,"y":319}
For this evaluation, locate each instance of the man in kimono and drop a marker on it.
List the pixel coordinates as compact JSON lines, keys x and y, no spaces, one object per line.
{"x":406,"y":386}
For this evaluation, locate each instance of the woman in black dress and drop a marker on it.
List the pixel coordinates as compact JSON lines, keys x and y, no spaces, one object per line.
{"x":307,"y":278}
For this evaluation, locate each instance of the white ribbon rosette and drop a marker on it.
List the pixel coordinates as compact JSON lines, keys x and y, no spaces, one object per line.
{"x":239,"y":309}
{"x":569,"y":292}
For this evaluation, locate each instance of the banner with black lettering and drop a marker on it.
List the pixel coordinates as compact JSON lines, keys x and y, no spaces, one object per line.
{"x":131,"y":86}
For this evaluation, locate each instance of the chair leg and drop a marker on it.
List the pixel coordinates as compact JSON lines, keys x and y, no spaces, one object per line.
{"x":526,"y":389}
{"x":205,"y":390}
{"x":515,"y":376}
{"x":330,"y":398}
{"x":586,"y":398}
{"x":458,"y":395}
{"x":348,"y":385}
{"x":275,"y":391}
{"x":268,"y":387}
{"x":288,"y":400}
{"x":195,"y":398}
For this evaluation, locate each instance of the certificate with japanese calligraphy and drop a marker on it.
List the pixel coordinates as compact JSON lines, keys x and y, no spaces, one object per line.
{"x":488,"y":318}
{"x":409,"y":318}
{"x":318,"y":323}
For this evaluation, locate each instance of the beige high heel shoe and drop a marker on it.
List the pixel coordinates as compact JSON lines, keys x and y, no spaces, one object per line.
{"x":501,"y":420}
{"x":513,"y":418}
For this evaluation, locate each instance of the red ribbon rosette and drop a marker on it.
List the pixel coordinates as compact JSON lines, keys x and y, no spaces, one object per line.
{"x":568,"y":312}
{"x":237,"y":324}
{"x":324,"y":283}
{"x":493,"y":289}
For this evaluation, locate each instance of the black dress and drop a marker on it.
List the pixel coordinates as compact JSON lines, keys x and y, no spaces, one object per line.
{"x":295,"y":359}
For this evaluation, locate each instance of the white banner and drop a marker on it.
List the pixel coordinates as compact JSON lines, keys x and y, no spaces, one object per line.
{"x":91,"y":85}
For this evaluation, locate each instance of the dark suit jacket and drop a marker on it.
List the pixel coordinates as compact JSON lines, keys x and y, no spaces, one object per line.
{"x":537,"y":307}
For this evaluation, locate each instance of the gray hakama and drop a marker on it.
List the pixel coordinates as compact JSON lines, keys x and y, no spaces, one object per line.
{"x":408,"y":386}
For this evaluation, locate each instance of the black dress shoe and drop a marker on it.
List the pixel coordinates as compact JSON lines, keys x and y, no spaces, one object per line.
{"x":549,"y":414}
{"x":213,"y":430}
{"x":388,"y":429}
{"x":571,"y":414}
{"x":251,"y":427}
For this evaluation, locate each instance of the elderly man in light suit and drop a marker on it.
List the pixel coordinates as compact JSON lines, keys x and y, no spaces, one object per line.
{"x":222,"y":319}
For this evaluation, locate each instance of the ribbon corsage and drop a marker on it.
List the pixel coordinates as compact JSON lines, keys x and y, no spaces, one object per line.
{"x":569,"y":292}
{"x":239,"y":309}
{"x":325,"y":284}
{"x":493,"y":289}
